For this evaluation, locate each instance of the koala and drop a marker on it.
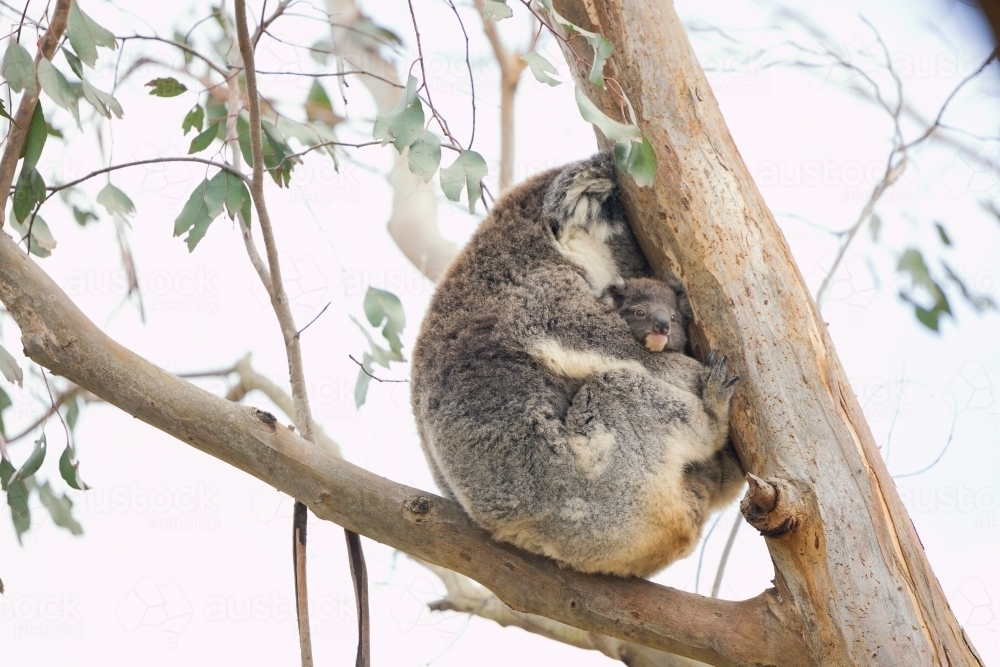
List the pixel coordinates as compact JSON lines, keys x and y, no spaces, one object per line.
{"x":656,"y":312}
{"x":537,"y":410}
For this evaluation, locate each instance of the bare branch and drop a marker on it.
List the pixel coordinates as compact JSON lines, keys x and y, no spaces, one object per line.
{"x":717,"y":584}
{"x":467,"y":597}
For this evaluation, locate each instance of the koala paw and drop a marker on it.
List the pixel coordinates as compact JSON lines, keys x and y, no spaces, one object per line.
{"x":717,"y":388}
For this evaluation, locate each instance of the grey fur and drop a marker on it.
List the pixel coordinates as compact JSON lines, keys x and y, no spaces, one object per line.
{"x":542,"y":415}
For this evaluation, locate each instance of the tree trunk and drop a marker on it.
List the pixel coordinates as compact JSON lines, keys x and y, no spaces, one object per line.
{"x":849,"y":563}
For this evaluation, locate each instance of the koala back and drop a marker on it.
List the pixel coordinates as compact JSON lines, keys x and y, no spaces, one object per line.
{"x":514,"y":392}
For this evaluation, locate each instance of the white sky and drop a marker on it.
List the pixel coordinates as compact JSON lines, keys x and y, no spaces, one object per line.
{"x":185,"y":560}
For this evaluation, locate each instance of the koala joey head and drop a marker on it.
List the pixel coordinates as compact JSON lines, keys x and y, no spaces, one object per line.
{"x":656,"y":312}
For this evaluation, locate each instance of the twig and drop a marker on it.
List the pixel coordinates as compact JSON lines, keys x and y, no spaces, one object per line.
{"x":468,"y":65}
{"x":279,"y":300}
{"x":701,"y":552}
{"x":320,"y":75}
{"x":947,"y":444}
{"x":725,"y":555}
{"x":225,"y":167}
{"x":365,"y":370}
{"x":299,"y":332}
{"x":423,"y":75}
{"x":182,"y":47}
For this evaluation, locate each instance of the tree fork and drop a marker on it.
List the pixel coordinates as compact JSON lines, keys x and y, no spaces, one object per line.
{"x":855,"y":571}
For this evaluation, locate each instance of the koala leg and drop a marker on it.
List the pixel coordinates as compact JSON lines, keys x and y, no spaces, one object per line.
{"x":630,"y":511}
{"x":716,"y":482}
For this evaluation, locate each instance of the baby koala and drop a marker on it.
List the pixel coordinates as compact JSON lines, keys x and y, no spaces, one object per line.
{"x":657,"y":312}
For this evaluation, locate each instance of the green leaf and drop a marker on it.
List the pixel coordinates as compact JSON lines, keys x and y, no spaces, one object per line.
{"x":34,"y":140}
{"x":321,"y":51}
{"x":42,"y":242}
{"x":235,"y":195}
{"x":17,"y":498}
{"x":424,"y":155}
{"x":601,"y":46}
{"x":18,"y":68}
{"x":166,"y":87}
{"x":4,"y":404}
{"x":912,"y":262}
{"x":4,"y":114}
{"x":102,"y":101}
{"x":56,"y":86}
{"x":83,"y":217}
{"x":74,"y":62}
{"x":243,"y":137}
{"x":33,"y":462}
{"x":496,"y":10}
{"x":86,"y":35}
{"x":202,"y":207}
{"x":403,"y":123}
{"x":541,"y":68}
{"x":72,"y":412}
{"x":467,"y":171}
{"x":10,"y":369}
{"x":204,"y":139}
{"x":194,"y":119}
{"x":640,"y":162}
{"x":53,"y":131}
{"x":318,"y":105}
{"x":980,"y":301}
{"x":28,"y":193}
{"x":361,"y":386}
{"x":381,"y":306}
{"x":942,"y":234}
{"x":875,"y":223}
{"x":69,"y":468}
{"x":60,"y":507}
{"x":611,"y":129}
{"x":116,"y":202}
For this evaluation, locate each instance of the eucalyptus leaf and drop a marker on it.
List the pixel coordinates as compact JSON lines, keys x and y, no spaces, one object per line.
{"x":641,"y":162}
{"x":424,"y":155}
{"x":10,"y":369}
{"x":942,"y":234}
{"x":73,"y":62}
{"x":102,"y":101}
{"x":496,"y":10}
{"x":33,"y":462}
{"x":60,"y":508}
{"x":116,"y":202}
{"x":58,"y":88}
{"x":611,"y":129}
{"x":42,"y":243}
{"x":361,"y":386}
{"x":318,"y":106}
{"x":34,"y":140}
{"x":18,"y":68}
{"x":28,"y":193}
{"x":465,"y":172}
{"x":5,"y":114}
{"x":204,"y":139}
{"x":194,"y":120}
{"x":404,"y":123}
{"x":166,"y":87}
{"x":541,"y":68}
{"x":86,"y":35}
{"x":203,"y":206}
{"x":69,"y":468}
{"x":4,"y":404}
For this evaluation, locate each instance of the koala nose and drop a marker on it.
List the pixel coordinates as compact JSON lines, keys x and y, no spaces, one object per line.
{"x":662,"y":320}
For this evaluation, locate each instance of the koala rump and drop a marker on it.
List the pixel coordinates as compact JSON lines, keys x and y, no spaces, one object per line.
{"x":537,"y":407}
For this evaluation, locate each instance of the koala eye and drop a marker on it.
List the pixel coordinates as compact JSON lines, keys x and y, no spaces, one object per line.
{"x":639,"y":312}
{"x":673,"y":317}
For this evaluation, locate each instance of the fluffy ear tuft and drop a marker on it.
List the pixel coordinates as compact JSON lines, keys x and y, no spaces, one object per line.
{"x":683,"y":304}
{"x":614,"y":293}
{"x":586,"y":196}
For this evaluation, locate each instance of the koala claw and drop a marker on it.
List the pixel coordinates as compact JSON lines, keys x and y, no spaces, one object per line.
{"x":716,"y":381}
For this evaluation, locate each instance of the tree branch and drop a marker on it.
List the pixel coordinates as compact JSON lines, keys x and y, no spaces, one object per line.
{"x":26,"y":109}
{"x":56,"y":334}
{"x":467,"y":597}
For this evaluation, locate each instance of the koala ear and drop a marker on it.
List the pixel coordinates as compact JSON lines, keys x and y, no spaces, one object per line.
{"x":614,"y":293}
{"x":683,"y":304}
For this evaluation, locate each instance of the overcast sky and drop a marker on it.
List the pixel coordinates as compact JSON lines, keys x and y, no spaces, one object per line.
{"x":185,"y":560}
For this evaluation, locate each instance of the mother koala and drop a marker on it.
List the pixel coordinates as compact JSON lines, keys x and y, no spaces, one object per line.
{"x":539,"y":411}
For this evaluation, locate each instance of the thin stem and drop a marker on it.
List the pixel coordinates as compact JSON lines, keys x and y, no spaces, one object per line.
{"x":725,"y":555}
